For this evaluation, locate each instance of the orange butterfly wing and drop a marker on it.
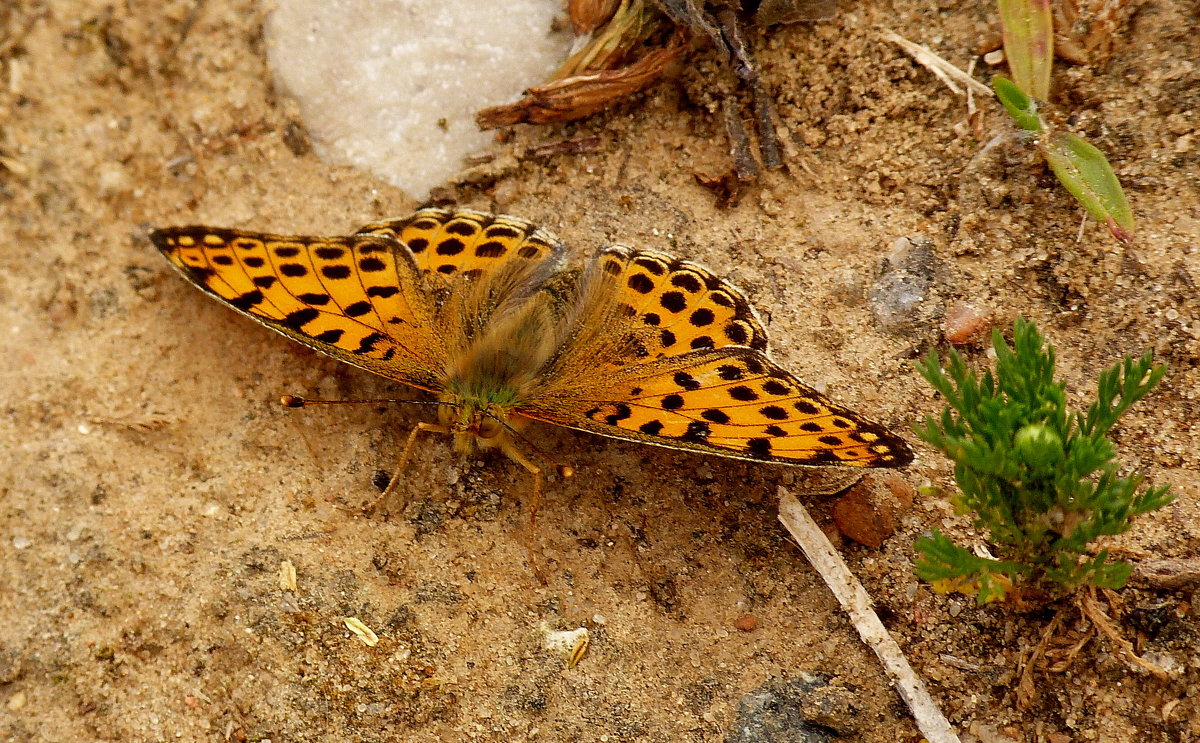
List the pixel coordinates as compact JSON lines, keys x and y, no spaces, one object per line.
{"x":468,"y":243}
{"x":699,"y":377}
{"x":676,"y":306}
{"x":360,"y":299}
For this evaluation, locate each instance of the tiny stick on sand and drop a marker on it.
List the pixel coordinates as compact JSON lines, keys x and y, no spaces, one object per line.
{"x":857,"y":603}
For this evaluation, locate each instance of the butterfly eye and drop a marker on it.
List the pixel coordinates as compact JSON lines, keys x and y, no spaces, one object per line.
{"x":489,"y":428}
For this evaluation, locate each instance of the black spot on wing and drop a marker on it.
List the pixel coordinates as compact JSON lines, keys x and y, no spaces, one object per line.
{"x":623,"y":412}
{"x":775,"y":387}
{"x":687,"y":282}
{"x":806,"y":407}
{"x":759,"y":448}
{"x":490,"y":249}
{"x":357,"y":309}
{"x":298,"y":319}
{"x":686,"y":381}
{"x":730,"y":373}
{"x":313,"y":298}
{"x":245,"y":301}
{"x":368,"y":343}
{"x":651,"y":427}
{"x":742,"y":393}
{"x":450,"y":246}
{"x":640,"y":283}
{"x":464,"y":228}
{"x":774,"y":412}
{"x":673,"y":301}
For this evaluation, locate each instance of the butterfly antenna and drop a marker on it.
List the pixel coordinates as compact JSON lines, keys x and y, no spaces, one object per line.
{"x":295,"y":401}
{"x":564,"y":470}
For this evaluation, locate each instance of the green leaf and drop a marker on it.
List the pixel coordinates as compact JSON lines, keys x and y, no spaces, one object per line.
{"x":1085,"y":172}
{"x":1019,"y":106}
{"x":1100,"y":572}
{"x":1028,"y":29}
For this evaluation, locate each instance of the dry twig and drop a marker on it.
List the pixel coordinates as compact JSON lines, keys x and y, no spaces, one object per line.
{"x":857,"y":604}
{"x":1168,"y":574}
{"x":944,"y":71}
{"x":575,"y":97}
{"x":1092,"y":609}
{"x":1026,"y":692}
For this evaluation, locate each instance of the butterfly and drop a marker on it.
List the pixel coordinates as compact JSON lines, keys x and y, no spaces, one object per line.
{"x":478,"y":310}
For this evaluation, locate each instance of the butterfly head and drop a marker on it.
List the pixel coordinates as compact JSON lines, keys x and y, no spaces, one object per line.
{"x":477,"y":423}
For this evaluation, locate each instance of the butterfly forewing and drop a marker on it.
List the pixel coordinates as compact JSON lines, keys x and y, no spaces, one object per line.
{"x":359,"y":298}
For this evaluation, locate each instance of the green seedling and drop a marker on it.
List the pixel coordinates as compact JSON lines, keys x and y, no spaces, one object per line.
{"x":1028,"y":30}
{"x":1040,"y":479}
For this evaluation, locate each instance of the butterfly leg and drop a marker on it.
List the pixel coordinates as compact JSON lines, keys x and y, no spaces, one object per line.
{"x":535,"y":557}
{"x":386,"y":495}
{"x":515,"y":454}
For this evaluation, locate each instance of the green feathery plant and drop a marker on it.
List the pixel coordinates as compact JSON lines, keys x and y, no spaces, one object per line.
{"x":1040,"y":479}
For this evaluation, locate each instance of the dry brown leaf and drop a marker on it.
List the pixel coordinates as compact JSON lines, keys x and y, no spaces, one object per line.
{"x":634,"y":22}
{"x":582,"y":95}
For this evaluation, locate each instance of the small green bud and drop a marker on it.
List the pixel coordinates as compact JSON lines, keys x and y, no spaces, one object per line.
{"x":1038,"y":445}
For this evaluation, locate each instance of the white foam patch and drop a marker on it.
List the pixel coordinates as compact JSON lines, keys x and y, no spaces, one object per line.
{"x":392,"y":86}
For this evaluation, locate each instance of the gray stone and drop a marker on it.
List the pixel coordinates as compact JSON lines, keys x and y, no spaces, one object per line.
{"x":776,"y":713}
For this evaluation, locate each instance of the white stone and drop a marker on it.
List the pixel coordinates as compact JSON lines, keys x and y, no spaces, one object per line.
{"x":392,"y":86}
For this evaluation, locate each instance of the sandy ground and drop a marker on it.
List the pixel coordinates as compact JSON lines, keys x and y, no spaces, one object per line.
{"x":153,"y":486}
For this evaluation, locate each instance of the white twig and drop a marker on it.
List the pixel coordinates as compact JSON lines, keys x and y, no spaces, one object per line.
{"x":857,"y":604}
{"x":945,"y":71}
{"x":971,"y":91}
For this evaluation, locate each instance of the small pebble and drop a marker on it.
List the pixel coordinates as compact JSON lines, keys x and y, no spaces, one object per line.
{"x":902,"y":297}
{"x":778,"y":712}
{"x":112,"y":180}
{"x":966,"y":323}
{"x":16,"y":701}
{"x":747,"y":623}
{"x":870,"y":512}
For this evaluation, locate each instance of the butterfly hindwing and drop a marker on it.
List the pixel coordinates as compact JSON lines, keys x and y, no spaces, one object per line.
{"x":733,"y":402}
{"x":466,"y":242}
{"x":360,"y":299}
